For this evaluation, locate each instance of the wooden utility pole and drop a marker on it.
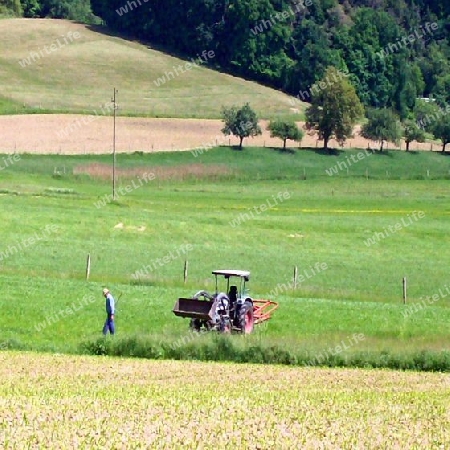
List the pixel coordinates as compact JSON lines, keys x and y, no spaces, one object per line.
{"x":113,"y":100}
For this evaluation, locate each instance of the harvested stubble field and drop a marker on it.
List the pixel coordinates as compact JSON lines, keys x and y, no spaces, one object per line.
{"x":55,"y":401}
{"x":51,"y":134}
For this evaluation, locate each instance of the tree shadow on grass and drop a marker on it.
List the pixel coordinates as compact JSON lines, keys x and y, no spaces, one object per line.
{"x":281,"y":151}
{"x":387,"y":153}
{"x":103,"y":29}
{"x":128,"y":36}
{"x":413,"y":152}
{"x":160,"y":47}
{"x":328,"y":151}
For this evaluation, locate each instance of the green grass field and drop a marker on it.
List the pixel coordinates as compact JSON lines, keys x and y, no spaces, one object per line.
{"x":352,"y":228}
{"x":79,"y":73}
{"x":326,"y":220}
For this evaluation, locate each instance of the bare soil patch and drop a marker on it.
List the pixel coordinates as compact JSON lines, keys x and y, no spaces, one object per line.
{"x":79,"y":134}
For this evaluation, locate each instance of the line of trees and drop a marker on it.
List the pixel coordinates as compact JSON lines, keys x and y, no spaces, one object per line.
{"x":243,"y":123}
{"x":334,"y":111}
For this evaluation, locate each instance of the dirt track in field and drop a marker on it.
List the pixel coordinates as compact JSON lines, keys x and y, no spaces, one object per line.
{"x":78,"y":134}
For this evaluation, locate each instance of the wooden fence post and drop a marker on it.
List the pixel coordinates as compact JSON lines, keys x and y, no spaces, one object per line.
{"x":295,"y":277}
{"x":404,"y":290}
{"x":88,"y":266}
{"x":185,"y":272}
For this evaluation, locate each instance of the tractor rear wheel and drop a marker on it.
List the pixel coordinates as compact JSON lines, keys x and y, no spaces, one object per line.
{"x":225,"y":325}
{"x":245,"y":319}
{"x":195,"y":325}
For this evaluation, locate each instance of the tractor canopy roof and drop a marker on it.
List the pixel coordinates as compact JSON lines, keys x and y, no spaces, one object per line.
{"x":233,"y":273}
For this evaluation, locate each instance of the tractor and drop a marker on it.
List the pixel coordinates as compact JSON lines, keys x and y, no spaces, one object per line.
{"x":226,"y":311}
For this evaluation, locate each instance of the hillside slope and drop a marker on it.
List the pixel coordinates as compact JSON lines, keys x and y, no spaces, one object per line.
{"x":74,"y":69}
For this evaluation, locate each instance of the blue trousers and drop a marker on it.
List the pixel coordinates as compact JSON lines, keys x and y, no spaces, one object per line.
{"x":109,"y":325}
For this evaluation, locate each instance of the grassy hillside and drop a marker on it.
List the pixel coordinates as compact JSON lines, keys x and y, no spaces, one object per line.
{"x":196,"y":202}
{"x":78,"y":74}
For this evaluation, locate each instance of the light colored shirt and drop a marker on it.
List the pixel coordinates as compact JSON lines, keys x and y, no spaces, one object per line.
{"x":109,"y":304}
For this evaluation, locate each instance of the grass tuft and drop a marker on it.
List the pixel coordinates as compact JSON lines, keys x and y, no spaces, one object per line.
{"x":238,"y":349}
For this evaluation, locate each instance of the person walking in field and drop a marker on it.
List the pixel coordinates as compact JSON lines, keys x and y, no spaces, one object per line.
{"x":109,"y":322}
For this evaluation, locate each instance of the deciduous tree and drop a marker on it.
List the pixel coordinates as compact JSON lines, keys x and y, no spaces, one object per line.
{"x":442,"y":130}
{"x":285,"y":129}
{"x":335,"y":108}
{"x":412,"y":132}
{"x":241,"y":122}
{"x":383,"y":125}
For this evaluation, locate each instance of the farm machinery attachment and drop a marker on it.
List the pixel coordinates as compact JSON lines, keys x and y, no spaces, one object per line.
{"x":232,"y":310}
